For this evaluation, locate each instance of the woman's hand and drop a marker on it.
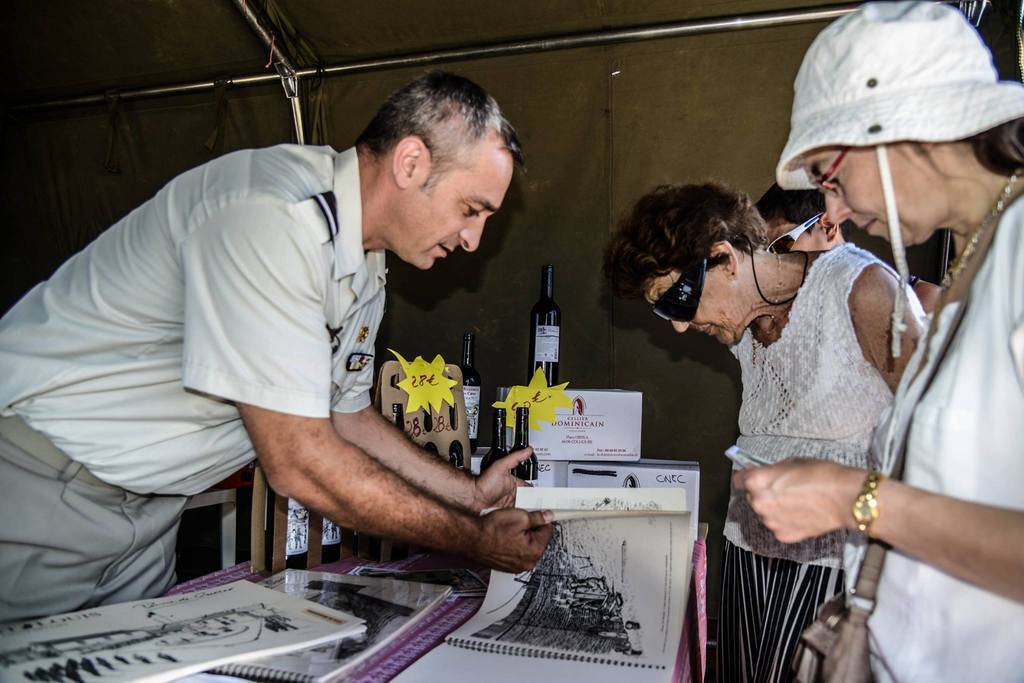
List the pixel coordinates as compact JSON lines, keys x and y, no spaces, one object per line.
{"x":798,"y":499}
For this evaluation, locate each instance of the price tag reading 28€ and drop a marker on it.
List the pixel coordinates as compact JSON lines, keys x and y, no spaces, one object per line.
{"x":541,"y":399}
{"x":426,"y":383}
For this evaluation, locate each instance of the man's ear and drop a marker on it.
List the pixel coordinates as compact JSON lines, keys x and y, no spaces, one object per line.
{"x":410,"y":162}
{"x":728,"y":255}
{"x":828,"y":227}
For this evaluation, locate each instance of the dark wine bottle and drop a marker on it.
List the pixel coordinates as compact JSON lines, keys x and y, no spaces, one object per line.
{"x":455,"y":456}
{"x":296,"y":549}
{"x":331,"y":548}
{"x":470,"y":389}
{"x":499,"y":444}
{"x":398,"y":416}
{"x":545,"y":328}
{"x":526,"y":470}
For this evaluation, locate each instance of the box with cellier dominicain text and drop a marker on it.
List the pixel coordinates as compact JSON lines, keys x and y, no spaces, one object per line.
{"x":602,"y":424}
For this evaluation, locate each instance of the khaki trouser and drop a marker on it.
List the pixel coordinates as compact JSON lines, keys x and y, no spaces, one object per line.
{"x":70,"y":541}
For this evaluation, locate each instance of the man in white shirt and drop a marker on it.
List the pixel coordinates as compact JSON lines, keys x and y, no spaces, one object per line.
{"x":237,"y":310}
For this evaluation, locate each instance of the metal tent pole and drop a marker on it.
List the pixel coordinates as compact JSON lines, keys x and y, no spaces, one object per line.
{"x":282,"y":65}
{"x":579,"y":40}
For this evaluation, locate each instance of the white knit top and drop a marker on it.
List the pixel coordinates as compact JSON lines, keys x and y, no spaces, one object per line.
{"x":811,"y":394}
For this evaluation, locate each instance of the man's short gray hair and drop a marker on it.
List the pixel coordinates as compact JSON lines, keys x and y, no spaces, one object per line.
{"x":447,"y":112}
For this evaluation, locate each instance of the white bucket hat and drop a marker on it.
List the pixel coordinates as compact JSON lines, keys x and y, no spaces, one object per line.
{"x":894,"y":71}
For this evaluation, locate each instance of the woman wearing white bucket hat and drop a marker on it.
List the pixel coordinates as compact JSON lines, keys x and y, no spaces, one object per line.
{"x":900,"y":120}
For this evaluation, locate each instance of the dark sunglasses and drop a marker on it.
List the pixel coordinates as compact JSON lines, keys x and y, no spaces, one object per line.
{"x":680,"y":301}
{"x":783,"y":244}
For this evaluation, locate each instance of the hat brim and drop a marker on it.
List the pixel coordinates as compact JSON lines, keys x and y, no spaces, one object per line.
{"x":895,"y":117}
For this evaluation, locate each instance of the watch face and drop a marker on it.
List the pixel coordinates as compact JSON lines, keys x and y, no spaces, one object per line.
{"x":865,"y":509}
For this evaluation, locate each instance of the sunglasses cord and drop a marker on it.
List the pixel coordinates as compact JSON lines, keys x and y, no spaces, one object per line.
{"x":758,"y":285}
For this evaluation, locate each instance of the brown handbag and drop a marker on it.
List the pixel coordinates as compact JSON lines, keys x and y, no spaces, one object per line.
{"x":835,"y":648}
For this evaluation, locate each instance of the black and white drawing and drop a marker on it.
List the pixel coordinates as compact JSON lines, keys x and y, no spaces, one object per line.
{"x":354,"y":599}
{"x":569,"y":602}
{"x":389,"y":607}
{"x":608,"y":596}
{"x":164,"y":638}
{"x":462,"y":581}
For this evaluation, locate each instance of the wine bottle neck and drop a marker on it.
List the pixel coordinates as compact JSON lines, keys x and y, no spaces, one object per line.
{"x":522,"y":439}
{"x":499,"y":431}
{"x":467,"y":350}
{"x":547,"y":282}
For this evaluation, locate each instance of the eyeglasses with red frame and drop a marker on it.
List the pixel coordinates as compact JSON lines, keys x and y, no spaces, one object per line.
{"x":827,"y":180}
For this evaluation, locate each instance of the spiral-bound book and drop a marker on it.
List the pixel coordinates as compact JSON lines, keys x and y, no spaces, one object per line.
{"x":605,"y":602}
{"x":163,"y":639}
{"x":388,"y":606}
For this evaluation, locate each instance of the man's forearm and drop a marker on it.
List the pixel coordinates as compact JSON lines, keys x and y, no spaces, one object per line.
{"x":336,"y":478}
{"x":381,"y":440}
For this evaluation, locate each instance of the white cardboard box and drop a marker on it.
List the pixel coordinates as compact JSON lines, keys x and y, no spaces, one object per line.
{"x":552,"y":472}
{"x":644,"y":473}
{"x":602,"y":425}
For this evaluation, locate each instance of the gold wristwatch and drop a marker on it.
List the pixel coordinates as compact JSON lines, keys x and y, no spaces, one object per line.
{"x":865,"y":508}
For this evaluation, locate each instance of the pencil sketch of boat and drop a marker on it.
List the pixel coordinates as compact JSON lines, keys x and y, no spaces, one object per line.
{"x":96,"y":652}
{"x":567,"y":602}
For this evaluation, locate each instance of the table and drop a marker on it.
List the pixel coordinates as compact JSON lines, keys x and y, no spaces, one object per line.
{"x":427,"y":634}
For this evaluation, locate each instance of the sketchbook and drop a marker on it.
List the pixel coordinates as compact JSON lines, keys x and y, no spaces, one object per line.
{"x":166,"y":638}
{"x":606,"y":600}
{"x":389,"y":607}
{"x":464,"y":583}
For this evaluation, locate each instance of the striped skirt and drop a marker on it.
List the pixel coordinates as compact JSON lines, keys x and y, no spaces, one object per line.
{"x":766,"y":604}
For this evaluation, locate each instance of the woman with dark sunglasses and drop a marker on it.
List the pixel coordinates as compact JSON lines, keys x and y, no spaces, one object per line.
{"x":810,"y":333}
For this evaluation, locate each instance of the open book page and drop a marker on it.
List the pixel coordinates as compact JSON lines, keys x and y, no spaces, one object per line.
{"x":601,"y":500}
{"x":609,"y":594}
{"x":388,"y":606}
{"x":166,"y":638}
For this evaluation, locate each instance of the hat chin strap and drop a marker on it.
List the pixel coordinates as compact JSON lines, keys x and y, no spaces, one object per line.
{"x":899,"y":255}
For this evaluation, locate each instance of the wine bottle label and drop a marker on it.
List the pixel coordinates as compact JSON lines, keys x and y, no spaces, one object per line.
{"x":298,"y":528}
{"x":331,"y":533}
{"x":546,"y":346}
{"x":472,"y":398}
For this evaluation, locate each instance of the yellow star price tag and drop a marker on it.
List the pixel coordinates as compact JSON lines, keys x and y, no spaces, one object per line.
{"x":541,"y":399}
{"x":426,"y":383}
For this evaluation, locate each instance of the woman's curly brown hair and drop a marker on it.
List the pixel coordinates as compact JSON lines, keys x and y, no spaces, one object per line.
{"x":673,"y":227}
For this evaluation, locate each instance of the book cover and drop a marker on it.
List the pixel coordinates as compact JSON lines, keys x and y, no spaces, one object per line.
{"x":388,"y":606}
{"x":162,"y":639}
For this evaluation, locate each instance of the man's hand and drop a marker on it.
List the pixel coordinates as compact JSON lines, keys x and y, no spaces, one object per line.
{"x":496,"y":488}
{"x":513,"y":540}
{"x":799,"y":499}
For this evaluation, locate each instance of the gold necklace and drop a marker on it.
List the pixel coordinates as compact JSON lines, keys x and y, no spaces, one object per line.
{"x":972,"y":244}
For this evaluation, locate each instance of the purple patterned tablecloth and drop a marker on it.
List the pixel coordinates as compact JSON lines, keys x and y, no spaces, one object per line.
{"x":455,"y":611}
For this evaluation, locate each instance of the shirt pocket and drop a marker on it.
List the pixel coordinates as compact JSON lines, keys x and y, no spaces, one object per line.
{"x":353,"y":356}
